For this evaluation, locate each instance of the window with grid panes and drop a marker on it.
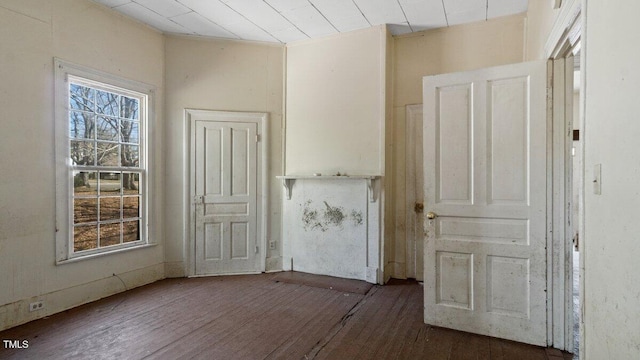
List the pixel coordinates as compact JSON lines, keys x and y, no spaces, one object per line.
{"x":101,"y":164}
{"x":105,"y":126}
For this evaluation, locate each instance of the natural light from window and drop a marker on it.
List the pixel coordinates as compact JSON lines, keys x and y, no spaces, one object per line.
{"x":104,"y":148}
{"x":102,"y":183}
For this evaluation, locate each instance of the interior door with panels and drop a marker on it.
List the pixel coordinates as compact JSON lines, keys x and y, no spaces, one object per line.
{"x":485,"y":179}
{"x":225,"y":186}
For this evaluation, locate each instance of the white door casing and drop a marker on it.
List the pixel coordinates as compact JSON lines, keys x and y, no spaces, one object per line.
{"x":485,"y":179}
{"x":414,"y":192}
{"x":227,"y":192}
{"x":562,"y":249}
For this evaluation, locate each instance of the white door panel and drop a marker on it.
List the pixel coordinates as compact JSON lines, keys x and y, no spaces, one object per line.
{"x":226,"y":197}
{"x":485,"y":179}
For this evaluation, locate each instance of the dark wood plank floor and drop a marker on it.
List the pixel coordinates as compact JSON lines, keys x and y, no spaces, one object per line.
{"x":256,"y":317}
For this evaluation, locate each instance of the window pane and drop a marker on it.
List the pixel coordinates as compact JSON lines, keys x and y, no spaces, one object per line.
{"x":84,"y":183}
{"x":130,"y":183}
{"x":82,"y":152}
{"x":110,"y":208}
{"x":107,"y":128}
{"x":107,"y":154}
{"x":85,"y":210}
{"x":130,"y":131}
{"x":129,"y":108}
{"x":107,"y":103}
{"x":130,"y":156}
{"x":104,"y":129}
{"x":81,"y":97}
{"x":131,"y":207}
{"x":131,"y":231}
{"x":85,"y":237}
{"x":110,"y":234}
{"x":110,"y":183}
{"x":81,"y":125}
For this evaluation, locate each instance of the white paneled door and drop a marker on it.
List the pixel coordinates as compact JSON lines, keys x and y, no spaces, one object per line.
{"x":224,"y":168}
{"x":486,"y":201}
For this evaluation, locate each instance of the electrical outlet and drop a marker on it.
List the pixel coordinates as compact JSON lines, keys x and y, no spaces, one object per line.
{"x":272,"y":245}
{"x":35,"y":306}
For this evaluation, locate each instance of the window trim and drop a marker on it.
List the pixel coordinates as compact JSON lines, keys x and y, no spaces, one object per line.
{"x":63,"y":166}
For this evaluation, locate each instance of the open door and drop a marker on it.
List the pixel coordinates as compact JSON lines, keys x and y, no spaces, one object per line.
{"x":485,"y":173}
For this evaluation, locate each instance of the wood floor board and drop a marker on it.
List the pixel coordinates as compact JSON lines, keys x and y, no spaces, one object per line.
{"x":217,"y":333}
{"x":325,"y":282}
{"x":314,"y":328}
{"x":258,"y":338}
{"x":273,"y":341}
{"x":403,"y":331}
{"x":257,"y":317}
{"x":471,"y":347}
{"x":136,"y":328}
{"x":438,"y":344}
{"x":371,"y":324}
{"x":387,"y":320}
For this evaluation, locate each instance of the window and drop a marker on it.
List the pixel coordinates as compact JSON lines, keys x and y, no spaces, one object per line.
{"x":101,"y":166}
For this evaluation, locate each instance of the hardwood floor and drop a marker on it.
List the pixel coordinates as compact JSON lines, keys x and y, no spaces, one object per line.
{"x":257,"y":317}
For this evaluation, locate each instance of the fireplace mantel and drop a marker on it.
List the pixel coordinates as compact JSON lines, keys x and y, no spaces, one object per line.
{"x":289,"y":180}
{"x":332,"y":226}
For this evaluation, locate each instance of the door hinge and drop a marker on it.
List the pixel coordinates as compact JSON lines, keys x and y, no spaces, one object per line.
{"x":257,"y":250}
{"x":257,"y":138}
{"x":199,"y":199}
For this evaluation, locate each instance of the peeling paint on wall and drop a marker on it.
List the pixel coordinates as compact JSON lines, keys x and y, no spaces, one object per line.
{"x":356,"y":217}
{"x":333,"y":215}
{"x":328,"y":217}
{"x":310,"y":218}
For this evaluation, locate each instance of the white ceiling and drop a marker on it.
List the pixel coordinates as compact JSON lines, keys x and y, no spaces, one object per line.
{"x":284,"y":21}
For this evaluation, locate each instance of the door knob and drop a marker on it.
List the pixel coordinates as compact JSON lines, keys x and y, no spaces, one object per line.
{"x":431,"y":215}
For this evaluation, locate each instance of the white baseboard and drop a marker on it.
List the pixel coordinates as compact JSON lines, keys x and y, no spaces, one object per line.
{"x":174,"y":269}
{"x":17,"y":313}
{"x":274,"y":264}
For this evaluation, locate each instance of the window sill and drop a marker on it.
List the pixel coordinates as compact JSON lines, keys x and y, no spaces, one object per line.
{"x":105,"y":253}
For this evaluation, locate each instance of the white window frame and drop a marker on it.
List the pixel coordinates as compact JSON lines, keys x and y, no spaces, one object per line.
{"x":64,"y":168}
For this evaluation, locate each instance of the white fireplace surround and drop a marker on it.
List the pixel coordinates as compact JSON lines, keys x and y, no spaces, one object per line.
{"x":331,"y":226}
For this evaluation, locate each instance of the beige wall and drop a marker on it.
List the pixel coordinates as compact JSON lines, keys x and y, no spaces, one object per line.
{"x":219,"y":75}
{"x":78,"y":31}
{"x":336,"y":104}
{"x":457,"y":48}
{"x":339,"y":113}
{"x":611,"y":243}
{"x":540,"y":19}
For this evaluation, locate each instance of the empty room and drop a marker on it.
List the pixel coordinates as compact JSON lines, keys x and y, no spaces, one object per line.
{"x":331,"y":179}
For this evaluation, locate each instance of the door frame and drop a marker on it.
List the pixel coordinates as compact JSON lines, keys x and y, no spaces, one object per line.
{"x":414,"y":264}
{"x":563,"y":42}
{"x":191,"y":116}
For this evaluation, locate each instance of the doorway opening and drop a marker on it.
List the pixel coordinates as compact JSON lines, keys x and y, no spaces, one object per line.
{"x":563,"y":48}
